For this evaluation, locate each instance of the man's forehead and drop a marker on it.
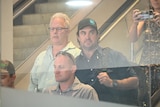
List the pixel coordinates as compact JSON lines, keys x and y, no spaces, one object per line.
{"x":58,"y":20}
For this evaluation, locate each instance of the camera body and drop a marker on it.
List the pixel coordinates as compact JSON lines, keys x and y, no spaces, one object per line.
{"x":146,"y":15}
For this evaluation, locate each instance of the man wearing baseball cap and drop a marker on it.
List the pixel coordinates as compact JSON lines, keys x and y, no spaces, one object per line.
{"x":103,"y":68}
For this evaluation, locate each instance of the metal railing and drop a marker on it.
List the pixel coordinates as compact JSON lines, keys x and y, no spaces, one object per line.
{"x":20,"y":6}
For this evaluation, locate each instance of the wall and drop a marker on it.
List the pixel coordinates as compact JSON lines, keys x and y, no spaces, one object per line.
{"x":6,"y":29}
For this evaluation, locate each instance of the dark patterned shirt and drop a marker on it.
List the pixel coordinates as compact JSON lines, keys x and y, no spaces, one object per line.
{"x":116,"y":65}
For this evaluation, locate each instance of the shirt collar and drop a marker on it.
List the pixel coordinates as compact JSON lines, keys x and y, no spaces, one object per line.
{"x":69,"y":46}
{"x":97,"y":51}
{"x":74,"y":86}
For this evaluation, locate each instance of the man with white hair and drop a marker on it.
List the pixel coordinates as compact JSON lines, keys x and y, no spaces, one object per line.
{"x":42,"y":74}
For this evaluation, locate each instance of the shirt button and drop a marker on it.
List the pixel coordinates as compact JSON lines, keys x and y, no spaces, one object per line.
{"x":97,"y":57}
{"x":92,"y":80}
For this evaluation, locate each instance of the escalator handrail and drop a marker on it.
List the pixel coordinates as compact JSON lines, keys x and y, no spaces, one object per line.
{"x":20,"y":6}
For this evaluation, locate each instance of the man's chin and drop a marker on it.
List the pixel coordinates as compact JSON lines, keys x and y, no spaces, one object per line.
{"x":58,"y":80}
{"x":88,"y":48}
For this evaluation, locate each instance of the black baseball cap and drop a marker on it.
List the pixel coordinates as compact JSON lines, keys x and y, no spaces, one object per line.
{"x":87,"y":22}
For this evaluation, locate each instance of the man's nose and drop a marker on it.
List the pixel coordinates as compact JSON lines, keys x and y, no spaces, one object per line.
{"x":54,"y":31}
{"x":87,"y":35}
{"x":56,"y":70}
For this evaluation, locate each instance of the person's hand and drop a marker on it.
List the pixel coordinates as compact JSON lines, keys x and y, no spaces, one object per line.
{"x":156,"y":18}
{"x":136,"y":15}
{"x":105,"y":79}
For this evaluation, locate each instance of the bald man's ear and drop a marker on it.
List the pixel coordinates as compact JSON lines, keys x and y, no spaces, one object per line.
{"x":74,"y":68}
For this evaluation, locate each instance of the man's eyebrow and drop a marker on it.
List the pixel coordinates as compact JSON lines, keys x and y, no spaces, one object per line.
{"x":82,"y":30}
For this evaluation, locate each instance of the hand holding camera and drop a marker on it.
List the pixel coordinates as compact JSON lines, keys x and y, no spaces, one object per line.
{"x":142,"y":15}
{"x":146,"y":15}
{"x":156,"y":18}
